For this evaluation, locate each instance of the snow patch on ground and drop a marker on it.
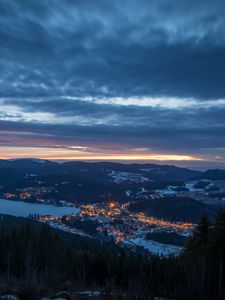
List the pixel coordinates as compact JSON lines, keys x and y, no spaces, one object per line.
{"x":90,"y":293}
{"x":126,"y":176}
{"x":128,"y":193}
{"x":190,"y":185}
{"x":167,"y":191}
{"x":155,"y":247}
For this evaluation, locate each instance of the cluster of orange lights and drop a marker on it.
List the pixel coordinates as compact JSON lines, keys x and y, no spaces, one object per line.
{"x":112,"y":205}
{"x":111,"y":210}
{"x":162,"y":223}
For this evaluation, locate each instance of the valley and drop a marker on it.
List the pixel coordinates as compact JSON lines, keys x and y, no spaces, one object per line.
{"x":142,"y":207}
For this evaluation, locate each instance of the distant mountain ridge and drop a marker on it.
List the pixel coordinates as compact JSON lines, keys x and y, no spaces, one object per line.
{"x":151,"y":171}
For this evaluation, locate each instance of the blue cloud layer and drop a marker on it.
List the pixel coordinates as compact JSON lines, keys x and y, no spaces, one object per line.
{"x":56,"y":55}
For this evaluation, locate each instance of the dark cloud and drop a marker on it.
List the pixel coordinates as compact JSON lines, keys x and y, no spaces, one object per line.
{"x":117,"y":48}
{"x":58,"y":60}
{"x":160,"y":130}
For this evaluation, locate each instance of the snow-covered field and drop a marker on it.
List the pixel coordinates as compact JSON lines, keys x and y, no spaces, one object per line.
{"x":63,"y":227}
{"x":191,"y":185}
{"x":155,"y":247}
{"x":126,"y":176}
{"x":167,"y":191}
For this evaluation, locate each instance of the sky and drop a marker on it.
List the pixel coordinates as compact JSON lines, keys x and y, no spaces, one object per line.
{"x":125,"y":80}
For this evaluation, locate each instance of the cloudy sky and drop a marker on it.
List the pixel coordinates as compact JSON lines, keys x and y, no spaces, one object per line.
{"x":124,"y":79}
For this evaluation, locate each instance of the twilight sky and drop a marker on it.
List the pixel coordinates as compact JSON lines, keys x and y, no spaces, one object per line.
{"x":132,"y":80}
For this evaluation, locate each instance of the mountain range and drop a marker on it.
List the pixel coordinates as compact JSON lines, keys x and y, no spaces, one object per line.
{"x":150,"y":171}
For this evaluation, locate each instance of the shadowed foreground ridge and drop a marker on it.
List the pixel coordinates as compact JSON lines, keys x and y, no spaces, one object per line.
{"x":37,"y":261}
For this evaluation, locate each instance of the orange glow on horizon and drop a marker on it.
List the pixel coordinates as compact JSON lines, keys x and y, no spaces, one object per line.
{"x":69,"y":154}
{"x":160,"y":157}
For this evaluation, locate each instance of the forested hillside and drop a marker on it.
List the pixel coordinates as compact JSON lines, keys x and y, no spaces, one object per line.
{"x":35,"y":262}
